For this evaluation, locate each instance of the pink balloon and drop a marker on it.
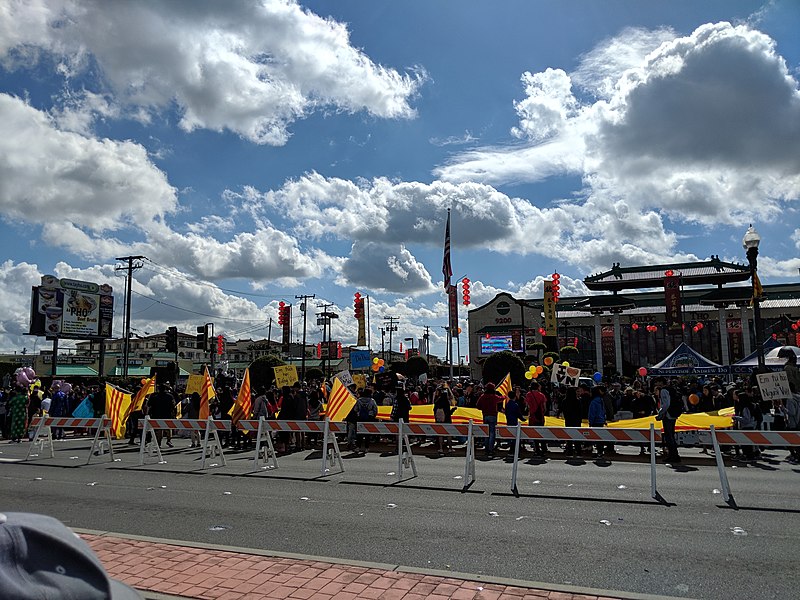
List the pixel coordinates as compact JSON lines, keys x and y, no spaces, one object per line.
{"x":66,"y":387}
{"x":22,"y":379}
{"x":30,"y":373}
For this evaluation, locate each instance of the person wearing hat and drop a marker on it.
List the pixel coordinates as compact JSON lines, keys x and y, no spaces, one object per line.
{"x":41,"y":558}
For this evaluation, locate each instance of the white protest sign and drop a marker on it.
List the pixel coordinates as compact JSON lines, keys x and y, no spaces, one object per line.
{"x":567,"y":376}
{"x":774,"y":386}
{"x":345,"y":378}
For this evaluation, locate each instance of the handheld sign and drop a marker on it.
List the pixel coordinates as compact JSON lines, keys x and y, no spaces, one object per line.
{"x":567,"y":376}
{"x":345,"y":378}
{"x":285,"y":375}
{"x":774,"y":386}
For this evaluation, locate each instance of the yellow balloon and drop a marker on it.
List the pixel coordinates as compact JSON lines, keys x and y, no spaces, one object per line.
{"x":565,"y":364}
{"x":532,"y":368}
{"x":375,"y":360}
{"x":528,"y":375}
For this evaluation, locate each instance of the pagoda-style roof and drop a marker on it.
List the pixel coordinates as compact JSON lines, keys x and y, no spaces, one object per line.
{"x":709,"y":272}
{"x":603,"y":303}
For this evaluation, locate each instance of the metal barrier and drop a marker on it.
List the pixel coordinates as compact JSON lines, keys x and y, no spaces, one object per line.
{"x":330,"y":446}
{"x":581,"y":434}
{"x":44,"y":433}
{"x":743,"y":438}
{"x":211,"y":443}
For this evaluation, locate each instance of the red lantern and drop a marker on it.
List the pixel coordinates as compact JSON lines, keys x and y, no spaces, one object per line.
{"x":669,"y":273}
{"x":774,"y":336}
{"x":281,"y":305}
{"x":465,"y":284}
{"x":794,"y":326}
{"x":542,"y":331}
{"x":635,"y":326}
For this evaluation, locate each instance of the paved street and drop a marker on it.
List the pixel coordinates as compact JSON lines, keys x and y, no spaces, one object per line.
{"x":575,"y":523}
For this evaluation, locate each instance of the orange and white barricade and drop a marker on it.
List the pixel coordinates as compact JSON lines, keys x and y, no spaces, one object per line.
{"x":211,"y":443}
{"x":44,"y":434}
{"x":267,"y":451}
{"x":328,"y":429}
{"x":405,"y":458}
{"x":582,"y":434}
{"x":743,"y":437}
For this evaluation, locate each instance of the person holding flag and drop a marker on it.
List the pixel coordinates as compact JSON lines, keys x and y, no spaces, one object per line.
{"x":136,"y":410}
{"x":242,"y":409}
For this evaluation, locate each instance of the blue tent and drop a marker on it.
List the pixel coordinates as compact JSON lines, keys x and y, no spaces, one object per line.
{"x":686,"y":361}
{"x":771,"y":359}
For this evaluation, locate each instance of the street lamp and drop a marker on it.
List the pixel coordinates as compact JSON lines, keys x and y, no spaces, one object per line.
{"x":750,"y":243}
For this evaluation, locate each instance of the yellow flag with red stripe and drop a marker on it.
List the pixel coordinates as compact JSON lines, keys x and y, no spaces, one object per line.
{"x":206,"y":395}
{"x":340,"y":401}
{"x":147,"y":388}
{"x":504,"y":388}
{"x":118,"y":403}
{"x":243,"y":406}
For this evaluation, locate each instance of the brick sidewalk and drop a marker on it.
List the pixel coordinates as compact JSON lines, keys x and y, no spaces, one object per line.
{"x":226,"y":575}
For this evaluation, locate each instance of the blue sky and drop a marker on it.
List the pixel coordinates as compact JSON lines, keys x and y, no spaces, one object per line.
{"x":254,"y":151}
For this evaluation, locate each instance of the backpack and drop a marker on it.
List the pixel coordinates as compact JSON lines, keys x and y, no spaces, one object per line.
{"x":364,"y":412}
{"x":675,"y":408}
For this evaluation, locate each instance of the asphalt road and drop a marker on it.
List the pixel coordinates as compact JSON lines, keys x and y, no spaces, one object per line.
{"x":578,"y":523}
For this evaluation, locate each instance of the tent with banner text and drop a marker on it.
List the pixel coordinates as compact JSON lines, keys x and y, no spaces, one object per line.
{"x":684,"y":360}
{"x":770,"y":348}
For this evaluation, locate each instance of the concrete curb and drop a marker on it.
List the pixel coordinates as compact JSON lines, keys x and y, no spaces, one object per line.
{"x":538,"y":585}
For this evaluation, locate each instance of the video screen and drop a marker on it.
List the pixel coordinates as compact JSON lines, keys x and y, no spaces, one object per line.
{"x":495,"y":343}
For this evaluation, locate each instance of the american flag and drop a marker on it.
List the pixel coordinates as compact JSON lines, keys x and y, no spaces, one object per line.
{"x":447,"y":268}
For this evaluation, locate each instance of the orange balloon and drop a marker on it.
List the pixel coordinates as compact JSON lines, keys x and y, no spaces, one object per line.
{"x":539,"y":369}
{"x":548,"y":360}
{"x":694,"y":399}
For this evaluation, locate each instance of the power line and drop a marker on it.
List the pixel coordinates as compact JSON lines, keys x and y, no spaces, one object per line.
{"x":177,"y":275}
{"x":202,"y":314}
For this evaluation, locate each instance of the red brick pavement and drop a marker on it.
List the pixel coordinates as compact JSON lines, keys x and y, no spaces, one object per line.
{"x":225,"y":575}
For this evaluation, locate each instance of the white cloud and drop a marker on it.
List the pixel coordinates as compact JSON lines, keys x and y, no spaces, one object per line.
{"x":53,"y":176}
{"x":386,"y":268}
{"x":701,"y":129}
{"x":15,"y":302}
{"x":251,"y":68}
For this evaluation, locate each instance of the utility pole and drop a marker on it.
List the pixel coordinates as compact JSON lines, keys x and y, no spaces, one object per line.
{"x":303,"y":299}
{"x":326,"y":339}
{"x":427,"y":338}
{"x":383,"y":348}
{"x":130,"y":268}
{"x":390,"y":327}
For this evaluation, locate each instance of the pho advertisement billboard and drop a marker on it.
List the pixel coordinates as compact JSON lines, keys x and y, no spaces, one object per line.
{"x":71,"y":309}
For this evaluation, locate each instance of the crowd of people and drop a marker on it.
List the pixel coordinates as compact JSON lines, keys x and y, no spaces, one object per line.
{"x":597,"y":405}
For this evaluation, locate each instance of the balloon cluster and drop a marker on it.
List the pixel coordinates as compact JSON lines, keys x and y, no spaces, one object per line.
{"x":24,"y":376}
{"x":377,"y":365}
{"x":534,"y":371}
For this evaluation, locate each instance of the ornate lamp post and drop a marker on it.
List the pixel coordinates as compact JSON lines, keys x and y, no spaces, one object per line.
{"x":750,"y":242}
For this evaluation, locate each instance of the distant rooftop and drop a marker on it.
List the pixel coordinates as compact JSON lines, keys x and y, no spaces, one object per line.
{"x":709,"y":272}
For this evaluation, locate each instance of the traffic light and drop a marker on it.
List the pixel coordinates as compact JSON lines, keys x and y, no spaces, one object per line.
{"x":172,"y":339}
{"x":465,"y":284}
{"x":202,"y":337}
{"x":220,"y":345}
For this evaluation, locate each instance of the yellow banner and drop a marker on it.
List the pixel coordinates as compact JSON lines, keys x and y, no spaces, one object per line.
{"x":285,"y":375}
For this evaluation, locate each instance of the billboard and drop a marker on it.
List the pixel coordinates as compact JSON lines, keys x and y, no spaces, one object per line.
{"x":71,"y":309}
{"x":495,"y":343}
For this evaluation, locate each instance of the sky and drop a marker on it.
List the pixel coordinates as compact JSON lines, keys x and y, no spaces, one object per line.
{"x":258,"y":151}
